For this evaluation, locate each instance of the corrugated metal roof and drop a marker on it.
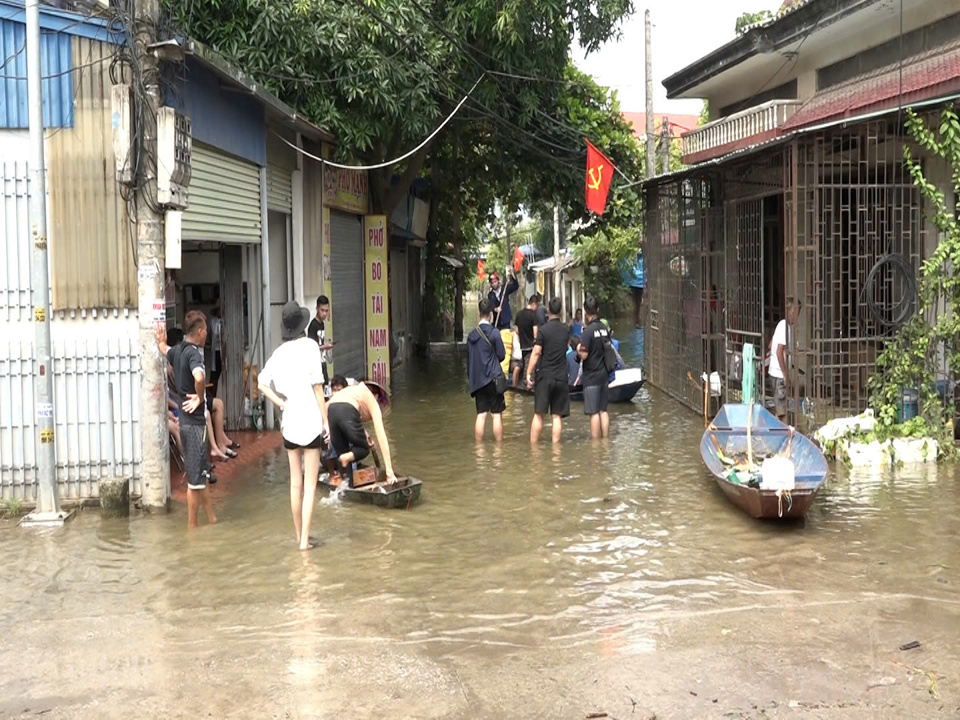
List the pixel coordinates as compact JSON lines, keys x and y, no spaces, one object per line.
{"x":56,"y":67}
{"x":935,"y":72}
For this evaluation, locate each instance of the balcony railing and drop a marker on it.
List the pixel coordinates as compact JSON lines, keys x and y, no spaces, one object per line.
{"x":729,"y":132}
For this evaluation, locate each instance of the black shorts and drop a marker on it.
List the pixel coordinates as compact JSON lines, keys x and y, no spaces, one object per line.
{"x":315,"y":444}
{"x":595,"y":399}
{"x":551,"y":396}
{"x":195,"y":449}
{"x":489,"y":401}
{"x":346,"y":430}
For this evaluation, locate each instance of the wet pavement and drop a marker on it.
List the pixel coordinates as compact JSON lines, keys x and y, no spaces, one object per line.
{"x":553,"y":583}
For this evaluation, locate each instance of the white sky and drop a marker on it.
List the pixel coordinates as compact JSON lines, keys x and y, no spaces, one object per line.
{"x":682,"y":34}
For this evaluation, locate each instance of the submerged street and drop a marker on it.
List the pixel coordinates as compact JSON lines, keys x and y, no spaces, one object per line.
{"x":592,"y":578}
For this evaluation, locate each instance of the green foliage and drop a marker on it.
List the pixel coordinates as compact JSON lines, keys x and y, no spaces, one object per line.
{"x":11,"y":508}
{"x":751,"y":18}
{"x":909,"y":359}
{"x":704,"y":114}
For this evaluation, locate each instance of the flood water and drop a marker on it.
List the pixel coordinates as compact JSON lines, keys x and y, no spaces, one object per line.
{"x":546,"y":582}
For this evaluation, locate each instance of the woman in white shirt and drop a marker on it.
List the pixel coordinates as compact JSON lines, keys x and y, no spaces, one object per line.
{"x":292,"y":380}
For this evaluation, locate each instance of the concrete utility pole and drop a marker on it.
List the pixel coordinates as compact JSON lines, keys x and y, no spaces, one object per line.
{"x":48,"y":510}
{"x":151,"y":291}
{"x":665,"y":137}
{"x":556,"y":232}
{"x":651,"y":158}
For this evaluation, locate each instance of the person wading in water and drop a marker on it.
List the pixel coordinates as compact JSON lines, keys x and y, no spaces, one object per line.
{"x":552,"y":393}
{"x":292,"y":380}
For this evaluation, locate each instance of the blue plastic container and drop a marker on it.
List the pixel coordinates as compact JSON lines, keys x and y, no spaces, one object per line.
{"x":909,"y":405}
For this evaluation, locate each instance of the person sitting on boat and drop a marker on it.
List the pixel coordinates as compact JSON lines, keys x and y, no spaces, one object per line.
{"x":573,"y":360}
{"x":348,"y":408}
{"x":780,"y":347}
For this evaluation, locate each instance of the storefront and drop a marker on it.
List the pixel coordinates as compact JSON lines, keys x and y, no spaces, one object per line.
{"x":345,"y":198}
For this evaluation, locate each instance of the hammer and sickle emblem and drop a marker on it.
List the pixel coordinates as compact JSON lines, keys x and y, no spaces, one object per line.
{"x":596,"y":178}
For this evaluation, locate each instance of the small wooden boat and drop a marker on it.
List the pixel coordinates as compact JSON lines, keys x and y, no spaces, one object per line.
{"x":625,"y":386}
{"x":371,"y":491}
{"x":724,"y":452}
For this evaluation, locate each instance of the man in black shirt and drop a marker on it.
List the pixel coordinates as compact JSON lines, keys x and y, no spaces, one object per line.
{"x":595,"y":375}
{"x":186,"y":359}
{"x":552,"y":393}
{"x":527,"y":330}
{"x":317,"y":331}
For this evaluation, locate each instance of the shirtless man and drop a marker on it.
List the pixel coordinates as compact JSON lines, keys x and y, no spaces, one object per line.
{"x":348,"y":408}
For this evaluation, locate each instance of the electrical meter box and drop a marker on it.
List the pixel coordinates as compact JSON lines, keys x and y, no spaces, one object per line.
{"x":174,"y":147}
{"x":121,"y":105}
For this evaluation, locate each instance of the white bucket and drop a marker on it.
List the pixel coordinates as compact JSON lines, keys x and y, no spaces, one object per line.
{"x":778,"y":473}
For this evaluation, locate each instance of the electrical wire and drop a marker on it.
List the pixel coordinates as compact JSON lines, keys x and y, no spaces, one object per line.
{"x":388,"y":163}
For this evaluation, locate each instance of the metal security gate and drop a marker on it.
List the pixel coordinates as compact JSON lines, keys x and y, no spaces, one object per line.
{"x":224,"y":198}
{"x":231,"y":296}
{"x":744,"y":292}
{"x":348,"y":306}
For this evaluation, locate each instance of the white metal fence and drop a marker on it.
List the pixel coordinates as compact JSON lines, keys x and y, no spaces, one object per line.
{"x":96,"y":367}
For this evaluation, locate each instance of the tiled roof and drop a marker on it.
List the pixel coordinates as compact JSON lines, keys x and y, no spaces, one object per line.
{"x":926,"y":76}
{"x":788,"y":7}
{"x":679,"y":124}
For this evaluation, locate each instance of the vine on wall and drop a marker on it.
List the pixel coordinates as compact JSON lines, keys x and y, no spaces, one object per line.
{"x":909,"y":359}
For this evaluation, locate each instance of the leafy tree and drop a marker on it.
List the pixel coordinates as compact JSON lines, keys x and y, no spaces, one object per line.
{"x":704,"y":114}
{"x":751,"y":18}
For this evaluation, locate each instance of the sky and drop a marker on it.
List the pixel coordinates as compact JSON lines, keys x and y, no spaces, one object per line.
{"x":680,"y":38}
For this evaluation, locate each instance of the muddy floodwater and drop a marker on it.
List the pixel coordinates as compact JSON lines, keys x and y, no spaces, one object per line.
{"x":547,"y":583}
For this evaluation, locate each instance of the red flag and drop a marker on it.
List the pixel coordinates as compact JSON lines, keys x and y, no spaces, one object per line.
{"x":481,"y":270}
{"x":599,"y":174}
{"x":518,"y":257}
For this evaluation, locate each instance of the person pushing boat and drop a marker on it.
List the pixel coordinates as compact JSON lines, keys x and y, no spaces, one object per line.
{"x":348,"y":408}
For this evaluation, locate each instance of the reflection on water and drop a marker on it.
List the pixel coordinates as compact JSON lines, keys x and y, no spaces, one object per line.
{"x":584,"y":545}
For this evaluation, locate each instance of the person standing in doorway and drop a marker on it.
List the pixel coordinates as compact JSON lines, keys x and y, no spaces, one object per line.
{"x":576,"y":325}
{"x":293,"y":380}
{"x":499,"y":298}
{"x":216,"y":350}
{"x":318,"y":333}
{"x":596,"y":383}
{"x":548,"y":364}
{"x":780,"y":369}
{"x":190,"y":378}
{"x":485,"y":352}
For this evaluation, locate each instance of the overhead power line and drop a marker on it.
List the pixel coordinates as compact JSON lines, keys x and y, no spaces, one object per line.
{"x":400,"y":159}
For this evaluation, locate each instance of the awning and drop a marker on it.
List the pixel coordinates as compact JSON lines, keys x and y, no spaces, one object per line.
{"x":931,"y":74}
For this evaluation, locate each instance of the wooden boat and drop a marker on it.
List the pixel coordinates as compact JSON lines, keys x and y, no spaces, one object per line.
{"x":724,"y":449}
{"x":371,"y":491}
{"x":625,"y":386}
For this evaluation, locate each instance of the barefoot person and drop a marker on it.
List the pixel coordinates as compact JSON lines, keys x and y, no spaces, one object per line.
{"x":485,"y":352}
{"x":350,"y":406}
{"x":596,"y":375}
{"x":188,"y":372}
{"x":292,"y":380}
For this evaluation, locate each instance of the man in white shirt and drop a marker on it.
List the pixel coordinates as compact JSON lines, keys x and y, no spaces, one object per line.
{"x":780,"y":348}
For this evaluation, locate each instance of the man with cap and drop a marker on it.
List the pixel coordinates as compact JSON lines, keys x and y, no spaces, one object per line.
{"x":292,"y":380}
{"x":499,"y":298}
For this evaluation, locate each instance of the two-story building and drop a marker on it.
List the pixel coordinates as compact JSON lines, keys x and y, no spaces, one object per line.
{"x":797,"y":187}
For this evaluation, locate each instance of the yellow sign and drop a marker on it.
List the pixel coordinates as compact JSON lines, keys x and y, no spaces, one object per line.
{"x":346,"y":189}
{"x":375,"y":253}
{"x":39,"y":314}
{"x":46,"y":436}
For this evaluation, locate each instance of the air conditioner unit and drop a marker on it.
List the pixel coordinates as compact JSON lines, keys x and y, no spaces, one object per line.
{"x":174,"y":147}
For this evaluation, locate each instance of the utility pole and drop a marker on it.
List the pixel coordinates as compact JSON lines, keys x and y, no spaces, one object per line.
{"x":48,"y":510}
{"x":651,"y":158}
{"x":151,"y":271}
{"x":556,"y":232}
{"x":665,"y":138}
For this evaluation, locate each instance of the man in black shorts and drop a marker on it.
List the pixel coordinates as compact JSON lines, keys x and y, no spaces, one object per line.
{"x":485,"y":352}
{"x":186,"y":359}
{"x":596,"y":377}
{"x":552,"y":393}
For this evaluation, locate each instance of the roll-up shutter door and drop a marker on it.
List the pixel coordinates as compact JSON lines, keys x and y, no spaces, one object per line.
{"x":224,"y":198}
{"x":279,"y":189}
{"x":349,"y":309}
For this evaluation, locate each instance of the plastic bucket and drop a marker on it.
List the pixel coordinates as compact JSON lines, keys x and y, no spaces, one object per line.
{"x":909,"y":406}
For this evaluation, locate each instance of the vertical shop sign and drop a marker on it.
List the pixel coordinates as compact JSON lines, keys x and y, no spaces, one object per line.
{"x":378,"y":302}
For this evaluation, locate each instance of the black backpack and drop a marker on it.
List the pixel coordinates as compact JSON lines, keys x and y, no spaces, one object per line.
{"x":601,"y":333}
